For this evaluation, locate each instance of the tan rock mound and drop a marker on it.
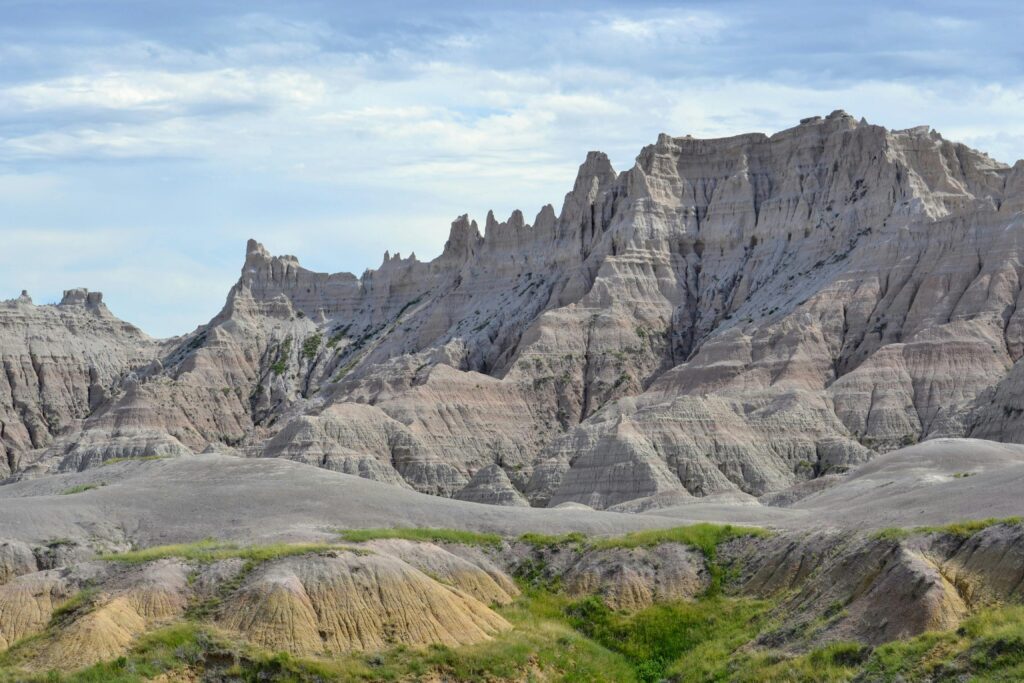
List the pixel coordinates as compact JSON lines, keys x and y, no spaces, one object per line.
{"x":476,"y":576}
{"x":346,"y":601}
{"x":26,"y":604}
{"x":111,"y":621}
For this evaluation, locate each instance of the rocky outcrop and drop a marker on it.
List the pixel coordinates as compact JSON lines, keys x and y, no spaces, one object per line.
{"x":736,"y":315}
{"x":455,"y":566}
{"x":344,"y":602}
{"x":634,"y":578}
{"x":60,"y":363}
{"x":335,"y":601}
{"x":876,"y":588}
{"x":491,"y":485}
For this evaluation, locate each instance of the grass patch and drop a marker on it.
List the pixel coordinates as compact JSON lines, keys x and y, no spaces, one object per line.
{"x":281,"y":364}
{"x":704,"y":536}
{"x":893,"y":533}
{"x":75,"y":604}
{"x":429,"y":535}
{"x":678,"y":638}
{"x":968,"y":528}
{"x":81,"y":488}
{"x":988,"y":646}
{"x":963,"y":529}
{"x":311,"y":345}
{"x":210,"y":550}
{"x":831,"y":664}
{"x":551,"y":541}
{"x":144,"y":458}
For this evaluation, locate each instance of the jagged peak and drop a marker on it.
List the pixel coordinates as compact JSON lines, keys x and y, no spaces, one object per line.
{"x":546,"y":218}
{"x":392,"y":260}
{"x":80,"y":296}
{"x":493,"y":228}
{"x":254,"y":248}
{"x":462,"y":238}
{"x":598,"y":166}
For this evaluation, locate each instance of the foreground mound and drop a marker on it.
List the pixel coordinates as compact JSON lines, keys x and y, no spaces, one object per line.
{"x":695,"y":603}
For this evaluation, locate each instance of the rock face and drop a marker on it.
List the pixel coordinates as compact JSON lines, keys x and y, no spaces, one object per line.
{"x":729,"y":315}
{"x":492,"y":485}
{"x":342,"y":603}
{"x":840,"y":588}
{"x":60,"y":363}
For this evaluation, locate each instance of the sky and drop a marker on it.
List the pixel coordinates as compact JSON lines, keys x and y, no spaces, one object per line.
{"x":142,"y":143}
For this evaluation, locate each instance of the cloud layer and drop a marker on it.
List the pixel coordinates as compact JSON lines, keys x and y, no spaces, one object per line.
{"x":142,"y":143}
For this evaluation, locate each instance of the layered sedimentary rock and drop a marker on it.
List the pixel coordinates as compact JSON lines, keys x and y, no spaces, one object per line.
{"x":729,"y":315}
{"x":60,"y":363}
{"x":344,"y":602}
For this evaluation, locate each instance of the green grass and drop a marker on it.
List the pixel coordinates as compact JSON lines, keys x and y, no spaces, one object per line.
{"x":678,"y":638}
{"x":210,"y":550}
{"x":75,"y":604}
{"x":705,"y":537}
{"x":575,"y":539}
{"x":144,"y":458}
{"x":80,"y":488}
{"x":963,"y":529}
{"x":893,"y":533}
{"x":429,"y":535}
{"x":559,"y":638}
{"x":281,"y":364}
{"x":966,"y":529}
{"x":311,"y":345}
{"x":831,"y":664}
{"x":988,"y":646}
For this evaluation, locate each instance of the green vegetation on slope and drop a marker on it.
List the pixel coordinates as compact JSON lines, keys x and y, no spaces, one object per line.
{"x":559,"y":639}
{"x":311,"y":345}
{"x":426,"y":535}
{"x":80,"y":488}
{"x":659,"y":637}
{"x":705,"y":537}
{"x":141,"y":458}
{"x":987,"y":647}
{"x":962,"y":529}
{"x":210,"y":550}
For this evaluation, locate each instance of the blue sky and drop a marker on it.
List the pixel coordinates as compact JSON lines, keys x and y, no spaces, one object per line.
{"x":141,"y":143}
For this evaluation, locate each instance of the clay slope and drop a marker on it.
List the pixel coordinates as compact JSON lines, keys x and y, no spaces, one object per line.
{"x":729,"y":315}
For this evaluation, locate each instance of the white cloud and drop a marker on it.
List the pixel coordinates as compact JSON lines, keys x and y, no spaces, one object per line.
{"x":145,"y":91}
{"x":687,"y":27}
{"x":338,"y":155}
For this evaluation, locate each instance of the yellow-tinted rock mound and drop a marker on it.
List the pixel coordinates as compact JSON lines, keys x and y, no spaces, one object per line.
{"x":346,"y":601}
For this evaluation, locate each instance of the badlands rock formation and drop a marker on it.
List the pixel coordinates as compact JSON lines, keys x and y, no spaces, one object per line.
{"x":735,"y":315}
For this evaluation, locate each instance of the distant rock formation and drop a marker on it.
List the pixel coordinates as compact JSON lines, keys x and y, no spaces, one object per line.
{"x":737,"y":314}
